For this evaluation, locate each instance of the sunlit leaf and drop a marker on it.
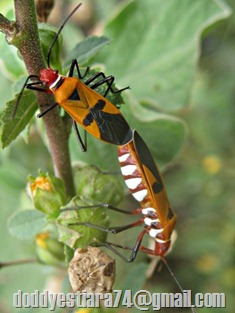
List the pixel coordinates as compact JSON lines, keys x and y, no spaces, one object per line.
{"x":155,"y":47}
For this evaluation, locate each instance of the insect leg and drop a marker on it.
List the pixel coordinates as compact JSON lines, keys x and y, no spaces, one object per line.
{"x":21,"y":92}
{"x":31,"y":86}
{"x":47,"y":110}
{"x":134,"y":252}
{"x":83,"y":144}
{"x":75,"y":64}
{"x":112,"y":230}
{"x":109,"y":80}
{"x":104,"y":205}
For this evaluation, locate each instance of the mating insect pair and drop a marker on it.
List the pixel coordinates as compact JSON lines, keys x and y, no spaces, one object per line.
{"x":104,"y":121}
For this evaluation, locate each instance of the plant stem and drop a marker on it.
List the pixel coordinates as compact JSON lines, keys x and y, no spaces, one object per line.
{"x":26,"y":39}
{"x":17,"y":262}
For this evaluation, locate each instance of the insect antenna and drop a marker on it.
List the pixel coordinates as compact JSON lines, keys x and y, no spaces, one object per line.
{"x":175,"y":279}
{"x":58,"y":33}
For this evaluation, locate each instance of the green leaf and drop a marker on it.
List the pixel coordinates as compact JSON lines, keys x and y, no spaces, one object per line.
{"x":47,"y":34}
{"x":86,"y":49}
{"x":26,"y":224}
{"x":69,"y":253}
{"x":12,"y":127}
{"x":133,"y":280}
{"x":164,"y":134}
{"x":79,"y":236}
{"x":155,"y":47}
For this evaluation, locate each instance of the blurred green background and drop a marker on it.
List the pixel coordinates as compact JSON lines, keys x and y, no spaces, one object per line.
{"x":178,"y":57}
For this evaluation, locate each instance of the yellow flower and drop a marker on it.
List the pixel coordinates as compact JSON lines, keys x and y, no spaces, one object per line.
{"x":40,"y":239}
{"x":41,"y":183}
{"x":212,"y":164}
{"x":208,"y":263}
{"x":49,"y":250}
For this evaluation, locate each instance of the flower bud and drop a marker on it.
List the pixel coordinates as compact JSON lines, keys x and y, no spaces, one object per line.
{"x":91,"y":183}
{"x":48,"y":194}
{"x":49,"y":250}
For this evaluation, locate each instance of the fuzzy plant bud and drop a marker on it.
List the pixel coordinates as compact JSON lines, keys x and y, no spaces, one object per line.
{"x":48,"y":193}
{"x":49,"y":250}
{"x":92,"y":183}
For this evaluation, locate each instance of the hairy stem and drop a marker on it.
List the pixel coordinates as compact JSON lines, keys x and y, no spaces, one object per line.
{"x":26,"y":39}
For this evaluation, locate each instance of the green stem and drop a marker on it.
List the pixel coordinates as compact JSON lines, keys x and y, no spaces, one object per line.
{"x":26,"y":39}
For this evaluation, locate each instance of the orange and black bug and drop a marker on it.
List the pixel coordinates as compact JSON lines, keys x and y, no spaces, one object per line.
{"x":91,"y":110}
{"x":144,"y":182}
{"x":143,"y":179}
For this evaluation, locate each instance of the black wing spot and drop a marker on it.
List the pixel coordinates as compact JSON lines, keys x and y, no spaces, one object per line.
{"x":170,"y":214}
{"x":99,"y":105}
{"x":157,"y":187}
{"x":88,"y":120}
{"x":74,"y":95}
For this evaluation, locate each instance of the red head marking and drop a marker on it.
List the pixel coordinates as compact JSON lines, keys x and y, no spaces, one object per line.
{"x":48,"y":76}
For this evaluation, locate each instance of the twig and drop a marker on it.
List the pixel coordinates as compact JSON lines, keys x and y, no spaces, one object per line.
{"x":17,"y":262}
{"x":24,"y":35}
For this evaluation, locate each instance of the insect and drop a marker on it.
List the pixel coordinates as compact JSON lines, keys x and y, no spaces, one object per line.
{"x":96,"y":114}
{"x":143,"y":179}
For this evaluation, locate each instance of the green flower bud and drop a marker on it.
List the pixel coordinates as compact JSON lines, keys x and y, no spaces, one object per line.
{"x":49,"y":250}
{"x":92,"y":184}
{"x":48,"y":193}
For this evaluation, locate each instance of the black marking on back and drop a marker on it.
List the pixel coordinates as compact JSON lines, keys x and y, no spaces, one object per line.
{"x":99,"y":105}
{"x":146,"y":158}
{"x":113,"y":127}
{"x":74,"y":96}
{"x":88,"y":120}
{"x":90,"y":117}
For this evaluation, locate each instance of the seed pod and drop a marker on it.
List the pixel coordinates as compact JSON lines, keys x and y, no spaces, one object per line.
{"x":91,"y":271}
